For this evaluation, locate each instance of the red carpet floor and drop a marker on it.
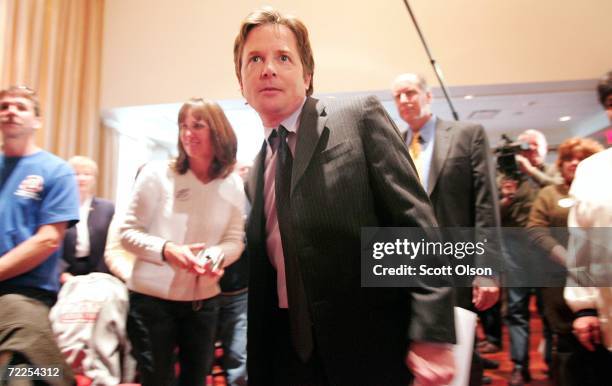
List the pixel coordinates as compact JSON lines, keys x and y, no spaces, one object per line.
{"x":537,"y":366}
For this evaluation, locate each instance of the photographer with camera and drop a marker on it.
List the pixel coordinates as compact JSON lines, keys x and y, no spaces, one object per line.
{"x":531,"y":159}
{"x":523,"y":174}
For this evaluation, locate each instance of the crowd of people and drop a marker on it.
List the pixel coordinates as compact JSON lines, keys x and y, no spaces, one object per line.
{"x":144,"y":295}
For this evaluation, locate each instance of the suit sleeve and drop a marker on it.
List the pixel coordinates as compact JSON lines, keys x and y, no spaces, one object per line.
{"x":486,"y":206}
{"x":99,"y":233}
{"x":402,"y":202}
{"x":550,"y":176}
{"x":538,"y":227}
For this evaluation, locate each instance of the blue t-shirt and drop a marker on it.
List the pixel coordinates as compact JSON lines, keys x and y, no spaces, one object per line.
{"x":35,"y":190}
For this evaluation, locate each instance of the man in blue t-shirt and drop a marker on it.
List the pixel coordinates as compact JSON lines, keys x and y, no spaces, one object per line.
{"x":38,"y":201}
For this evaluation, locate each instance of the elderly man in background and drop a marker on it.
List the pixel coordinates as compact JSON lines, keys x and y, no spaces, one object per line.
{"x":456,"y":170}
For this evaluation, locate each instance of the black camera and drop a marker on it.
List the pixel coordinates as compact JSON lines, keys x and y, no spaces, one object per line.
{"x":506,"y":160}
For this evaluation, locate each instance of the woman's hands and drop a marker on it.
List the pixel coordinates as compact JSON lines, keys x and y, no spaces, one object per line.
{"x":185,"y":257}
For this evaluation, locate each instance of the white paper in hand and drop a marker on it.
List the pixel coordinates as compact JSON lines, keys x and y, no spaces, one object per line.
{"x":465,"y":328}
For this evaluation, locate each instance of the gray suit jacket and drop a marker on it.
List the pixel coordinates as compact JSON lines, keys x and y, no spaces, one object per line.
{"x":462,"y":187}
{"x":350,"y":170}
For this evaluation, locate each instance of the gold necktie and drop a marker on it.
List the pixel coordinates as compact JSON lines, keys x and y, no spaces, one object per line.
{"x":415,"y":153}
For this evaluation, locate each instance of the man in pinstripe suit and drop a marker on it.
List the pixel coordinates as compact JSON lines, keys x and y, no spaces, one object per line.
{"x":325,"y":171}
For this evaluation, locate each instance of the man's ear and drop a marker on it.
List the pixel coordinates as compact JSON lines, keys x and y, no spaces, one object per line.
{"x":307,"y":78}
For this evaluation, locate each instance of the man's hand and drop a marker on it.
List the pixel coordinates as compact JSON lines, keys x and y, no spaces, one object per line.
{"x":485,"y":293}
{"x":432,"y":364}
{"x":182,"y":256}
{"x":508,"y":190}
{"x":587,"y":330}
{"x":524,"y":164}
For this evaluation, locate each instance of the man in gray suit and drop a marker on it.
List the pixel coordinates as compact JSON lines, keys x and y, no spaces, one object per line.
{"x":325,"y":171}
{"x":454,"y":164}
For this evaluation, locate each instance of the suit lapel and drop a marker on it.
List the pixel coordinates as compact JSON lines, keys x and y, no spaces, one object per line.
{"x":405,"y":136}
{"x":312,"y":123}
{"x":93,"y":206}
{"x":70,"y":242}
{"x":440,"y":152}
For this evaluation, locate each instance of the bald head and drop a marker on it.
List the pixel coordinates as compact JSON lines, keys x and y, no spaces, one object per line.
{"x":414,"y":79}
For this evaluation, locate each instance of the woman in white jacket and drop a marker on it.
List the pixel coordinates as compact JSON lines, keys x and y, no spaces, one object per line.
{"x":191,"y":206}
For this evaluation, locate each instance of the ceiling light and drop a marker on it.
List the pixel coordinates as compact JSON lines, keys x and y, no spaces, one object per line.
{"x":483,"y":114}
{"x":468,"y":97}
{"x":565,"y":118}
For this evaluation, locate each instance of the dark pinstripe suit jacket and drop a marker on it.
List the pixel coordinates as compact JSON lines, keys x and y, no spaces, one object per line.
{"x":350,"y":170}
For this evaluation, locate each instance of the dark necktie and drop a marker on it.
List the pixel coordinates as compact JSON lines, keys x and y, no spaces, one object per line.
{"x":299,"y":315}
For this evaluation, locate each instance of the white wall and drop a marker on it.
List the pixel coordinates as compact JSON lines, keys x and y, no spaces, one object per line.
{"x":160,"y":51}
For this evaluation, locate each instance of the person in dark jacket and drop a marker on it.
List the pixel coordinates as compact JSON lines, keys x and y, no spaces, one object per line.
{"x":84,"y":244}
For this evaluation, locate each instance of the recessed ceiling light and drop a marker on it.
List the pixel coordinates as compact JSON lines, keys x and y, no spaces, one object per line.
{"x":468,"y":97}
{"x":483,"y":114}
{"x":565,"y":118}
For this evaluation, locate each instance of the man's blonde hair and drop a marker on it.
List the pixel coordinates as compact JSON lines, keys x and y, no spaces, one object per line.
{"x":23,"y":92}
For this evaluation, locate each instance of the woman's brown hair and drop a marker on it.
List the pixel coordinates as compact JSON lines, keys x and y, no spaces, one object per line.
{"x":571,"y":146}
{"x":222,"y":137}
